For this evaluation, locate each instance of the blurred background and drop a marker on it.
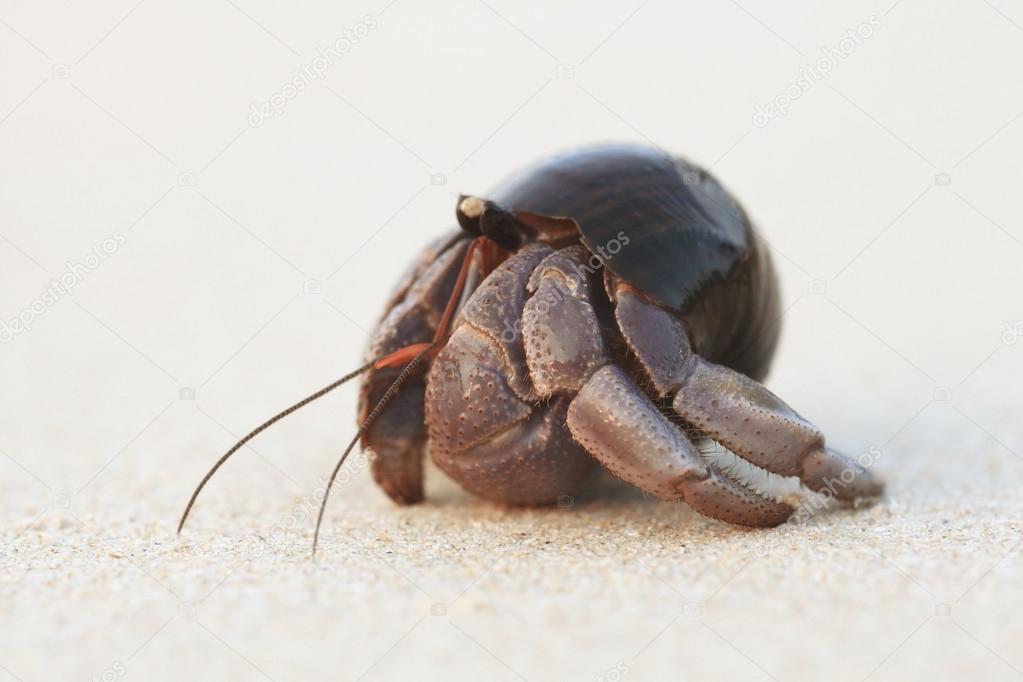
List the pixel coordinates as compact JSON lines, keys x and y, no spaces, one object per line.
{"x":204,"y":204}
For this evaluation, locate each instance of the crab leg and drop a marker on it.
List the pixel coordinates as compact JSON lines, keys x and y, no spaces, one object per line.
{"x":731,"y":408}
{"x":609,"y":415}
{"x":755,"y":424}
{"x":398,"y":436}
{"x":622,"y":428}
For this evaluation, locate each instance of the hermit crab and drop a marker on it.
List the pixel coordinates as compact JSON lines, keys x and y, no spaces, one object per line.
{"x":594,"y":310}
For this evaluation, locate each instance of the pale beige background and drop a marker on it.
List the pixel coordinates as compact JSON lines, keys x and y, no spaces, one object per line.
{"x":255,"y":259}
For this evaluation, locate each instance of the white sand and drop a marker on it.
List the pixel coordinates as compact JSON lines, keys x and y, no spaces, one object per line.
{"x":923,"y":586}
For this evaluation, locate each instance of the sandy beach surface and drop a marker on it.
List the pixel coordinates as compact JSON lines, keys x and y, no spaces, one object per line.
{"x":922,"y":586}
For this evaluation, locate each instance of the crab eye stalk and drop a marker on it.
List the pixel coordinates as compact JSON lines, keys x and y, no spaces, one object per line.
{"x":480,"y":217}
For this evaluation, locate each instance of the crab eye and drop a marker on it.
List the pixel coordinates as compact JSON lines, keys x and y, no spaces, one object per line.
{"x":477,"y":216}
{"x":468,"y":212}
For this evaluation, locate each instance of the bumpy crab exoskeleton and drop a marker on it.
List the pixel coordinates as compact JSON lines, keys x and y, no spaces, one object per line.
{"x":526,"y":397}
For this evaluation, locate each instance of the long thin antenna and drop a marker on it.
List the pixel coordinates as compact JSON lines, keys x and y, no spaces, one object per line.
{"x":426,"y":348}
{"x":417,"y":351}
{"x":377,"y":409}
{"x":262,"y":427}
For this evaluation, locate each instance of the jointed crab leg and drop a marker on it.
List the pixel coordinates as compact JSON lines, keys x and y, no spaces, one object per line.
{"x":609,"y":415}
{"x":398,"y":435}
{"x":755,"y":424}
{"x":730,"y":407}
{"x":619,"y":426}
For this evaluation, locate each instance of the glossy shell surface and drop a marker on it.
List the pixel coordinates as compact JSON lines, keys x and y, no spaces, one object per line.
{"x":690,"y":245}
{"x":683,"y":227}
